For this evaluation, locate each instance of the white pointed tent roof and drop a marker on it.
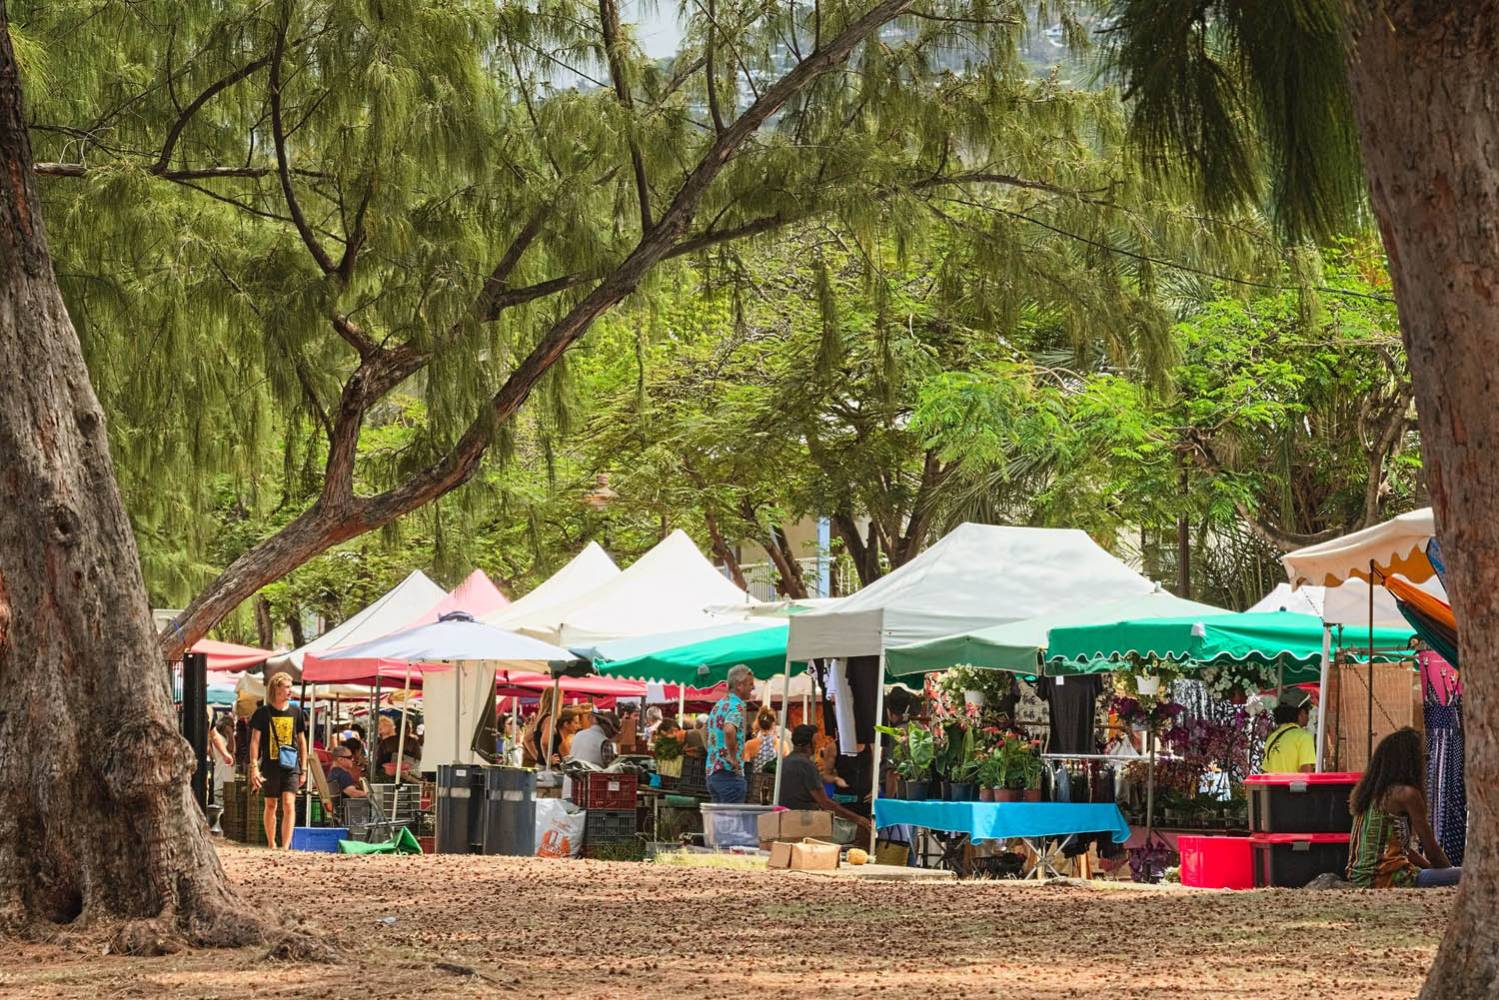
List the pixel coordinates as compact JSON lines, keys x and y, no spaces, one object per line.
{"x":1344,"y":605}
{"x":668,"y":589}
{"x":540,"y":611}
{"x":976,"y":576}
{"x":396,"y":609}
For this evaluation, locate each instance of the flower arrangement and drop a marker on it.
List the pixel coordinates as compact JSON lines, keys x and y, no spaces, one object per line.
{"x":1020,"y":761}
{"x":1144,"y":714}
{"x":1235,"y":682}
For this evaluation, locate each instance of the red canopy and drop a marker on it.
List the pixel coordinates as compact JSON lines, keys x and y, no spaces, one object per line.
{"x":525,"y":684}
{"x":226,"y":656}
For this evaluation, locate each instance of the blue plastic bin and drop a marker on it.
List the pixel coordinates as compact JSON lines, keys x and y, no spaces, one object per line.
{"x":318,"y":838}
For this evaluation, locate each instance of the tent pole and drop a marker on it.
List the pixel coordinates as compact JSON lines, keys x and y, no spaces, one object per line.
{"x":1370,"y":669}
{"x":1149,"y":791}
{"x":1322,"y":694}
{"x":682,"y":705}
{"x":874,"y":751}
{"x":311,"y":723}
{"x":401,"y":740}
{"x":546,"y":748}
{"x":775,"y":795}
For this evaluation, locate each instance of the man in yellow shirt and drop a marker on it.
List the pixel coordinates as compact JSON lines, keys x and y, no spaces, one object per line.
{"x":1290,"y":747}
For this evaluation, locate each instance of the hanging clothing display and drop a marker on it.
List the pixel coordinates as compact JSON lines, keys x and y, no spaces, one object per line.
{"x":843,"y":706}
{"x":1441,"y":696}
{"x":1072,"y":703}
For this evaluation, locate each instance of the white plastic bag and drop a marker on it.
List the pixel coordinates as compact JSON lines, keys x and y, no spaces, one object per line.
{"x":559,"y":829}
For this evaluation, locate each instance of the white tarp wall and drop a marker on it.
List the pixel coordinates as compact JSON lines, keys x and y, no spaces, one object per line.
{"x":453,"y":703}
{"x":1344,"y":605}
{"x":668,"y":589}
{"x":396,"y":609}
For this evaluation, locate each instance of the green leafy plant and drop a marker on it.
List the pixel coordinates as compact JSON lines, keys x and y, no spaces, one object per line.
{"x":914,"y":750}
{"x":991,"y":769}
{"x":959,"y":760}
{"x":665,"y":747}
{"x":1020,"y":761}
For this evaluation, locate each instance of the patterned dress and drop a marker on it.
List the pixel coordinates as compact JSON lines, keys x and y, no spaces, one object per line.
{"x":1445,"y":792}
{"x":1377,"y":851}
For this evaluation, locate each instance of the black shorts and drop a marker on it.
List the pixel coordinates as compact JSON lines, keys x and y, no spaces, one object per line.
{"x":276,"y":781}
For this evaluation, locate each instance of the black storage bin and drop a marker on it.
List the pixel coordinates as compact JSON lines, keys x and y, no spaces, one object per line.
{"x":509,"y":811}
{"x":1291,"y":860}
{"x":1300,"y":803}
{"x":609,"y":826}
{"x":694,"y":780}
{"x":460,"y":797}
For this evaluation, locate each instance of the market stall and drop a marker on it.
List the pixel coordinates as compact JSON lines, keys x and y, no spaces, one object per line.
{"x":975,"y":577}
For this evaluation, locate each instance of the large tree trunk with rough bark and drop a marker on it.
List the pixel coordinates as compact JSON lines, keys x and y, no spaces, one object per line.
{"x":1425,"y":82}
{"x":97,"y":825}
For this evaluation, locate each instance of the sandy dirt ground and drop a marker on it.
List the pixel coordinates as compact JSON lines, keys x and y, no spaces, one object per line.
{"x":461,"y":926}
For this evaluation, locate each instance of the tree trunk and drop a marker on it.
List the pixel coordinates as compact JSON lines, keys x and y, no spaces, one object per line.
{"x":793,"y":582}
{"x":722,"y":549}
{"x":265,"y":629}
{"x":1425,"y":83}
{"x":97,"y":823}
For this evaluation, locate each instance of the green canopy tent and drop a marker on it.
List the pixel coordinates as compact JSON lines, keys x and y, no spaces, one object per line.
{"x":1293,"y":642}
{"x":1020,"y":646}
{"x":705,"y":663}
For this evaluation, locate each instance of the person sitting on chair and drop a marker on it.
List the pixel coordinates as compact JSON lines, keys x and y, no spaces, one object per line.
{"x":801,"y":780}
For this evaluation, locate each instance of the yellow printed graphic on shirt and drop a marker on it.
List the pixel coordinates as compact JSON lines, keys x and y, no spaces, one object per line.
{"x":282,"y":731}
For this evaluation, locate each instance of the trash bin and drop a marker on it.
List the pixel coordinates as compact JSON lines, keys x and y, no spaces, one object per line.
{"x":509,"y":811}
{"x":460,"y":791}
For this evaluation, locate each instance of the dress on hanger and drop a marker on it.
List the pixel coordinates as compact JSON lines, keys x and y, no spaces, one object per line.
{"x":1446,"y":795}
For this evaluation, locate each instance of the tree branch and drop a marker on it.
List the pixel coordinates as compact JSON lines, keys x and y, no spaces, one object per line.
{"x":283,"y":167}
{"x":223,"y":83}
{"x":609,"y":22}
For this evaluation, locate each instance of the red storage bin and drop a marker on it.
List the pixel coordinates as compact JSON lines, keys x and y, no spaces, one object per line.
{"x":1300,"y":803}
{"x":1291,"y":860}
{"x":605,"y":790}
{"x":1216,"y":862}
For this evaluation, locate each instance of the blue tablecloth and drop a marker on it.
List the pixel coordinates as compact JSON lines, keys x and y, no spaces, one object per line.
{"x":1000,"y":820}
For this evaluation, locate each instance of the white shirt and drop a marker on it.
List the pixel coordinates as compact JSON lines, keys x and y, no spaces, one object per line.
{"x":588,"y":745}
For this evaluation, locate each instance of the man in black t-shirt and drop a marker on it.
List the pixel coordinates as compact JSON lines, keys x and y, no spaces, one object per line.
{"x":801,"y":781}
{"x":276,"y":727}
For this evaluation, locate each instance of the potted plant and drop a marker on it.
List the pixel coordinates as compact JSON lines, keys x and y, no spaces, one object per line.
{"x":991,"y":773}
{"x":912,"y":755}
{"x":1021,"y":769}
{"x":962,"y":766}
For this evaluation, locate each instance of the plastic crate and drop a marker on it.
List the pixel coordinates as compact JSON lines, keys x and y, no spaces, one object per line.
{"x":1216,"y":862}
{"x":609,"y":826}
{"x":318,"y":838}
{"x":1291,"y":860}
{"x":605,"y":790}
{"x":1300,"y":803}
{"x":694,"y":779}
{"x":732,"y":824}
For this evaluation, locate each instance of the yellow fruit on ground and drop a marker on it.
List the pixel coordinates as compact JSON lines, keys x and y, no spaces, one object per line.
{"x":857,"y":856}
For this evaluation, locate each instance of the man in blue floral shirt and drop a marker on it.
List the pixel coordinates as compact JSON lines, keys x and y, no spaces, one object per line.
{"x":725,"y":743}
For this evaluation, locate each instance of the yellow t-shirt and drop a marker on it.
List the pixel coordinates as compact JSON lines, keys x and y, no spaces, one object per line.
{"x":1290,"y":749}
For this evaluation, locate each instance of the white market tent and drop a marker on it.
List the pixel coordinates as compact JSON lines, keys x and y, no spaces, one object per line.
{"x":1343,"y":605}
{"x":398,"y":607}
{"x":1397,"y":546}
{"x":539,"y":612}
{"x":976,"y":576}
{"x":666,"y":590}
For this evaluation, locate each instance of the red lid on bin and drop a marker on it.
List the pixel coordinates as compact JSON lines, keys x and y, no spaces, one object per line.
{"x":1299,"y":838}
{"x":1305,"y":778}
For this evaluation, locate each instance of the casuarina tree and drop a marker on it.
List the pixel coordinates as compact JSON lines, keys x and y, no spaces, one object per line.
{"x":1304,"y":92}
{"x":98,"y":824}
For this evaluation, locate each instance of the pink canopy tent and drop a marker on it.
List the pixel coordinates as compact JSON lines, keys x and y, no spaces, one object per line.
{"x":528,"y":684}
{"x":229,"y":657}
{"x":477,"y":595}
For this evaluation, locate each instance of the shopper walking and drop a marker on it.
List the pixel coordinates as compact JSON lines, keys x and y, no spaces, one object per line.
{"x":278,"y":748}
{"x":725,"y":730}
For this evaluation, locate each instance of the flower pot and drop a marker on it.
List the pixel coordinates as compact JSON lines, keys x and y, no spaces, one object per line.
{"x":915,"y":789}
{"x":1007,"y":794}
{"x":986,"y":795}
{"x":961,"y":791}
{"x":1031,"y":795}
{"x":973,"y":698}
{"x":1147,"y":684}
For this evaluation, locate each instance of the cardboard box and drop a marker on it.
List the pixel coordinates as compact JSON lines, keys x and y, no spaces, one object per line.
{"x":794,"y":824}
{"x":808,"y":855}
